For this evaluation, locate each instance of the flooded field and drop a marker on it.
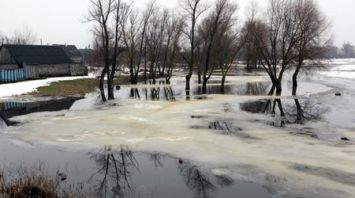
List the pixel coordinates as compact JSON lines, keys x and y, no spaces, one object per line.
{"x":161,"y":141}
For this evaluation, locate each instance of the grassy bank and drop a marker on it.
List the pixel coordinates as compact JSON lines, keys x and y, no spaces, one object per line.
{"x":73,"y":87}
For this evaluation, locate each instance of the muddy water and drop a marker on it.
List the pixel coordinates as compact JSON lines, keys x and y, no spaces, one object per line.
{"x":225,"y":135}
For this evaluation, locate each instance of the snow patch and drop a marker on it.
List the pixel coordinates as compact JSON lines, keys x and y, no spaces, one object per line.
{"x":12,"y":89}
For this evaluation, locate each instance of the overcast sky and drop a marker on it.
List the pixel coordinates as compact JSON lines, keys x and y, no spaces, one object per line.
{"x":61,"y":21}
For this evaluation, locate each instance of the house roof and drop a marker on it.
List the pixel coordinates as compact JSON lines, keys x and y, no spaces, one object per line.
{"x":37,"y":54}
{"x":70,"y":50}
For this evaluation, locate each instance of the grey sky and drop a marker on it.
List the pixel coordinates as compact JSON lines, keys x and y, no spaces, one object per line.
{"x":61,"y":21}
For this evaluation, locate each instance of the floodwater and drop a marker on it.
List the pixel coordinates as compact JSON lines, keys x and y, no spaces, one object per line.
{"x":129,"y":174}
{"x":235,"y":143}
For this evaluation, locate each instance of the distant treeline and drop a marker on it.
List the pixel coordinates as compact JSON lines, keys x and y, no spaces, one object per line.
{"x":347,"y":50}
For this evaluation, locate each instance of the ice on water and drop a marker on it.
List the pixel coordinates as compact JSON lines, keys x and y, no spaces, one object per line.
{"x":261,"y":152}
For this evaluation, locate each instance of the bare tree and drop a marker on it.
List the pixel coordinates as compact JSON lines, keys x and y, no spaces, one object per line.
{"x":277,"y":40}
{"x":100,"y":13}
{"x":348,"y":50}
{"x":194,"y":10}
{"x":231,"y":46}
{"x":250,"y":53}
{"x":130,"y":32}
{"x":21,"y":36}
{"x":119,"y":12}
{"x":214,"y":28}
{"x":154,"y":39}
{"x":332,"y":51}
{"x":2,"y":38}
{"x":24,"y":36}
{"x":133,"y":33}
{"x":163,"y":43}
{"x":311,"y":44}
{"x":291,"y":34}
{"x":175,"y":27}
{"x":230,"y":43}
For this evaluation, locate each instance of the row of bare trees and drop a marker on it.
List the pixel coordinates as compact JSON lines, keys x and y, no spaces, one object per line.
{"x":205,"y":38}
{"x":124,"y":35}
{"x":214,"y":39}
{"x":347,"y":50}
{"x":21,"y":36}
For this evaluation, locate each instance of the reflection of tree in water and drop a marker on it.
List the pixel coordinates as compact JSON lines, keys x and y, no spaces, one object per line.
{"x":260,"y":106}
{"x":202,"y":182}
{"x":135,"y":93}
{"x":157,"y":159}
{"x":169,"y":94}
{"x":196,"y":180}
{"x":154,"y":93}
{"x":116,"y":170}
{"x":255,"y":89}
{"x":213,"y":89}
{"x":305,"y":111}
{"x":292,"y":112}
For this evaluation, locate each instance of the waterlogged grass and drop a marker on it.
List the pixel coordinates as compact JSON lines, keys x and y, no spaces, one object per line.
{"x":74,"y":87}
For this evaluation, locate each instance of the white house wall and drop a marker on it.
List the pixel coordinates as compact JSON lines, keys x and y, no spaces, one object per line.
{"x":50,"y":70}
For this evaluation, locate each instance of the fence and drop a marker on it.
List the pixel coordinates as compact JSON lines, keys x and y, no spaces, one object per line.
{"x":15,"y":75}
{"x":12,"y":105}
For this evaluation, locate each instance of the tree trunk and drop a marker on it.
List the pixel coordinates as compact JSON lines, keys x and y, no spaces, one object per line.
{"x":299,"y":117}
{"x":199,"y":72}
{"x":187,"y":87}
{"x":278,"y":87}
{"x":109,"y":83}
{"x":282,"y":113}
{"x":102,"y":84}
{"x":294,"y":81}
{"x":223,"y":84}
{"x":131,"y":72}
{"x":272,"y":90}
{"x":188,"y":79}
{"x":163,"y":72}
{"x":145,"y":63}
{"x":204,"y":86}
{"x":207,"y":65}
{"x":154,"y":75}
{"x":132,"y":93}
{"x":151,"y":69}
{"x":145,"y":72}
{"x":110,"y":92}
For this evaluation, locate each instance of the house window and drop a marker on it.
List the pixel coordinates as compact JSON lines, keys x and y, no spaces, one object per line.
{"x":20,"y":66}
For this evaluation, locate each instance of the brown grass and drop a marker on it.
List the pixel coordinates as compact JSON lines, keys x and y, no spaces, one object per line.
{"x":73,"y":87}
{"x":33,"y":183}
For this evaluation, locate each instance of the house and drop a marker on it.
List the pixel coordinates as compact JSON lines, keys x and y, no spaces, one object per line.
{"x":76,"y":59}
{"x":43,"y":61}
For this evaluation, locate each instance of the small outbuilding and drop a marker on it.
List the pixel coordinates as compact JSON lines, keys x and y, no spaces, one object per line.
{"x":43,"y":61}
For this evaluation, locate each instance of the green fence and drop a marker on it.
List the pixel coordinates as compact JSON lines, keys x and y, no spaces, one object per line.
{"x":15,"y":75}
